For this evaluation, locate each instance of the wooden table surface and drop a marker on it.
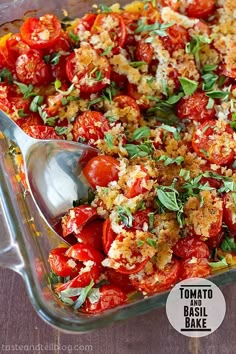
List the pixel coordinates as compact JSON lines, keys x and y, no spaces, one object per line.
{"x":147,"y":334}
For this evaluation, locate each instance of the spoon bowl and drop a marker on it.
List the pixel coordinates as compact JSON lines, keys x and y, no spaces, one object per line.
{"x":53,"y":170}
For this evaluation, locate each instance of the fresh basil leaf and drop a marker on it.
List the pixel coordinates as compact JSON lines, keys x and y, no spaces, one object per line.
{"x":6,"y":75}
{"x":175,"y":131}
{"x":26,"y":90}
{"x":61,"y":130}
{"x":210,"y":103}
{"x":220,"y":264}
{"x":151,"y":242}
{"x":94,"y":295}
{"x":140,"y":243}
{"x":83,"y":295}
{"x":109,"y":139}
{"x":137,"y":64}
{"x":140,"y":133}
{"x":173,"y":99}
{"x":21,"y":113}
{"x":74,"y":37}
{"x":188,"y":86}
{"x":168,"y":199}
{"x":55,"y":58}
{"x":36,"y":102}
{"x":228,"y":244}
{"x":209,"y":81}
{"x":104,"y":8}
{"x":125,"y":216}
{"x":108,"y":50}
{"x":209,"y":67}
{"x":151,"y":221}
{"x":218,"y":94}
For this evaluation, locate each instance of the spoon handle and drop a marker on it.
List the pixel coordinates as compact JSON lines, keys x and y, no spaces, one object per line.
{"x":14,"y":132}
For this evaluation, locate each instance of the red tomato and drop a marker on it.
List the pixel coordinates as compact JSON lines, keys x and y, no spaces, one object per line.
{"x":87,"y":21}
{"x":83,"y":279}
{"x":91,"y":126}
{"x":130,"y":19}
{"x":120,"y":280}
{"x":108,"y":235}
{"x":120,"y":80}
{"x":200,"y":8}
{"x":110,"y":297}
{"x":215,"y":241}
{"x":213,"y":144}
{"x":32,"y":119}
{"x":133,"y":92}
{"x":31,"y":69}
{"x":61,"y":264}
{"x":40,"y":33}
{"x":101,"y":170}
{"x":77,"y":217}
{"x":62,"y":44}
{"x":229,"y":212}
{"x":177,"y":37}
{"x":124,"y":101}
{"x":91,"y":234}
{"x":41,"y":132}
{"x":189,"y":246}
{"x":144,"y":51}
{"x":194,"y":268}
{"x":194,"y":108}
{"x":113,"y":24}
{"x":89,"y":71}
{"x":16,"y":46}
{"x":156,"y":280}
{"x":58,"y":70}
{"x":84,"y":253}
{"x":141,"y":217}
{"x":138,"y":185}
{"x":53,"y":104}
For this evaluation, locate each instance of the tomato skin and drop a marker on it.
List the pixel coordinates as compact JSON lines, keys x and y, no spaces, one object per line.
{"x":132,"y":91}
{"x":33,"y":29}
{"x":189,"y":246}
{"x":194,"y":268}
{"x":177,"y":37}
{"x":200,"y":8}
{"x":215,"y":241}
{"x":108,"y":235}
{"x":82,"y":280}
{"x":194,"y":108}
{"x":58,"y":261}
{"x":84,"y":253}
{"x":144,"y":51}
{"x":16,"y":46}
{"x":127,"y":101}
{"x":101,"y":170}
{"x":77,"y":217}
{"x":41,"y":132}
{"x":137,"y":187}
{"x":205,"y":147}
{"x":229,"y":212}
{"x":84,"y":76}
{"x":91,"y":234}
{"x":117,"y":34}
{"x":87,"y":21}
{"x":110,"y":297}
{"x":141,"y":217}
{"x":90,"y":125}
{"x":31,"y":69}
{"x":119,"y":279}
{"x":167,"y":277}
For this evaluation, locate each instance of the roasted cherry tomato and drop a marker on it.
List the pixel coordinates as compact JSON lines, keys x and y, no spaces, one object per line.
{"x":76,"y":218}
{"x":177,"y":37}
{"x":87,"y":70}
{"x":125,"y":101}
{"x":154,"y":280}
{"x":138,"y":186}
{"x":41,"y":132}
{"x":113,"y":24}
{"x":61,"y":264}
{"x":215,"y":241}
{"x":133,"y":92}
{"x":91,"y":234}
{"x":120,"y":280}
{"x":84,"y":253}
{"x":200,"y":8}
{"x":108,"y":235}
{"x":32,"y":119}
{"x":214,"y":142}
{"x":229,"y":211}
{"x":130,"y":19}
{"x":90,"y":126}
{"x":195,"y":108}
{"x":144,"y":51}
{"x":194,"y":268}
{"x":141,"y":219}
{"x":189,"y":246}
{"x":31,"y":69}
{"x":16,"y":46}
{"x":87,"y":21}
{"x":101,"y":170}
{"x":110,"y":297}
{"x":40,"y":33}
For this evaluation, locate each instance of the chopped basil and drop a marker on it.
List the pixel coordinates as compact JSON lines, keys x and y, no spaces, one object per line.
{"x":108,"y":50}
{"x":228,"y":244}
{"x":54,"y":279}
{"x":55,"y":58}
{"x":96,"y":100}
{"x":141,"y":150}
{"x":109,"y":139}
{"x":196,"y":44}
{"x":218,"y":94}
{"x":168,"y":198}
{"x":36,"y":102}
{"x":188,"y":86}
{"x":67,"y":92}
{"x":64,"y":101}
{"x":171,"y":129}
{"x":21,"y":113}
{"x":140,"y":205}
{"x":140,"y":133}
{"x":125,"y":216}
{"x":137,"y":64}
{"x":175,"y":98}
{"x":74,"y":37}
{"x":47,"y":120}
{"x":169,"y":160}
{"x":94,"y":295}
{"x":140,"y":243}
{"x":110,"y":91}
{"x":156,"y":28}
{"x":210,"y":79}
{"x":6,"y":75}
{"x":210,"y":103}
{"x":185,"y":174}
{"x":209,"y":67}
{"x":27,"y":91}
{"x":151,"y":221}
{"x":104,"y":8}
{"x":57,"y":84}
{"x":234,"y":164}
{"x":61,"y":130}
{"x":219,"y":264}
{"x":82,"y":297}
{"x":150,"y":81}
{"x":163,"y":112}
{"x":86,"y":200}
{"x":98,"y":75}
{"x":151,"y":242}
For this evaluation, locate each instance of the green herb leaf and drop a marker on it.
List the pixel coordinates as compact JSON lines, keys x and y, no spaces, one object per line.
{"x":228,"y":244}
{"x":142,"y":150}
{"x":6,"y":75}
{"x":22,"y":113}
{"x":82,"y":297}
{"x":185,"y":174}
{"x":108,"y":50}
{"x":55,"y":58}
{"x":140,"y":243}
{"x":210,"y":103}
{"x":209,"y":81}
{"x":61,"y":130}
{"x":168,"y":198}
{"x":188,"y":86}
{"x":140,"y":133}
{"x":109,"y":139}
{"x":173,"y":99}
{"x":36,"y":102}
{"x":209,"y":67}
{"x":196,"y":44}
{"x":27,"y":91}
{"x":151,"y":221}
{"x":151,"y":242}
{"x":104,"y":8}
{"x":125,"y":216}
{"x":218,"y":94}
{"x":137,"y":64}
{"x":169,"y":160}
{"x":220,"y":264}
{"x":74,"y":37}
{"x":57,"y":84}
{"x":64,"y":101}
{"x":171,"y":129}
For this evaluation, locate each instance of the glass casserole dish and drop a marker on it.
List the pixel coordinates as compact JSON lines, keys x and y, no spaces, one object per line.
{"x":25,"y":238}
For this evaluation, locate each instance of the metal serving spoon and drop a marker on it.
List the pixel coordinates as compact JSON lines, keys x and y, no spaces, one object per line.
{"x":52,"y":169}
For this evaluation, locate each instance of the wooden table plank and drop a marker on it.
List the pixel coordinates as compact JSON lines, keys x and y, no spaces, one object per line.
{"x":150,"y":333}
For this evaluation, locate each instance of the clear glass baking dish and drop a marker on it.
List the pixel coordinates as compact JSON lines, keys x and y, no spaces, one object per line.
{"x":25,"y":239}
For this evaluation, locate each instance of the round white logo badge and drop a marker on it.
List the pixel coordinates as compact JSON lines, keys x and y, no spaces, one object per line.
{"x":195,"y":307}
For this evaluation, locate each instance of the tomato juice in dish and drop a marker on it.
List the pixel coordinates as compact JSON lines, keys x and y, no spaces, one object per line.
{"x":153,"y":87}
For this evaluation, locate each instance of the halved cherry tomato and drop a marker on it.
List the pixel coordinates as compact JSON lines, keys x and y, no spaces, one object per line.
{"x":194,"y":268}
{"x":133,"y":92}
{"x":101,"y":170}
{"x":62,"y":44}
{"x":89,"y":71}
{"x":91,"y":126}
{"x":108,"y":235}
{"x":131,"y":22}
{"x":61,"y":264}
{"x":77,"y":217}
{"x":31,"y":69}
{"x":114,"y":24}
{"x":91,"y":234}
{"x":87,"y":21}
{"x":140,"y":218}
{"x":177,"y":37}
{"x":84,"y":253}
{"x":195,"y":108}
{"x":110,"y":297}
{"x":41,"y":132}
{"x":16,"y":46}
{"x":138,"y":185}
{"x":214,"y":144}
{"x":120,"y":280}
{"x":229,"y":212}
{"x":124,"y":101}
{"x":32,"y":119}
{"x":189,"y":246}
{"x":156,"y":280}
{"x":83,"y":279}
{"x":144,"y":51}
{"x":200,"y":8}
{"x":215,"y":241}
{"x":40,"y":33}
